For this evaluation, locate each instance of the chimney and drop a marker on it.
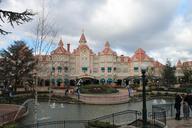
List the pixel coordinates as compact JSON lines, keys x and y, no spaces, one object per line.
{"x":68,"y":47}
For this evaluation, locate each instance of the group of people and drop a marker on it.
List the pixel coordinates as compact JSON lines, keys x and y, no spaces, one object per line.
{"x":187,"y":105}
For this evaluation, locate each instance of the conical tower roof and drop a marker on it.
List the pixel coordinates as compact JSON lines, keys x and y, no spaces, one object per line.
{"x":82,"y":39}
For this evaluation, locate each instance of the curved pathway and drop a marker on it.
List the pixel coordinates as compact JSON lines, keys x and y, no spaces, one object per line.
{"x":8,"y":113}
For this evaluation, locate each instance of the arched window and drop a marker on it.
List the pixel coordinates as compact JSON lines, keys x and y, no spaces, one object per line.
{"x":59,"y":81}
{"x":59,"y":68}
{"x":66,"y":81}
{"x":53,"y":81}
{"x":65,"y":69}
{"x":109,"y":69}
{"x":53,"y":69}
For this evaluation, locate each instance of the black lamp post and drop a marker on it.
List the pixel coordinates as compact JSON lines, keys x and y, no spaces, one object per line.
{"x":143,"y":71}
{"x":78,"y":88}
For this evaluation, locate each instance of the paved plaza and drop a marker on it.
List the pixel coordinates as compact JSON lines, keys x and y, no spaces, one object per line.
{"x":172,"y":123}
{"x":7,"y":108}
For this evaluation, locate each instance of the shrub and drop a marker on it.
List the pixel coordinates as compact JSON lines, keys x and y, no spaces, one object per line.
{"x":135,"y":86}
{"x":9,"y":126}
{"x":97,"y":89}
{"x":152,"y":94}
{"x":159,"y":94}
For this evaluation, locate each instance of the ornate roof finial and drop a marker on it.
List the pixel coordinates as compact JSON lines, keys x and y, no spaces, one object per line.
{"x":107,"y":45}
{"x":60,"y":43}
{"x":179,"y":63}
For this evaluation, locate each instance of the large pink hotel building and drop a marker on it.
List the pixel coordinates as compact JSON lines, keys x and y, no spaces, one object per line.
{"x":62,"y":65}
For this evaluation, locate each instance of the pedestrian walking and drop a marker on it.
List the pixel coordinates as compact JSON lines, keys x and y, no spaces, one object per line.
{"x":185,"y":110}
{"x":177,"y":106}
{"x":129,"y":90}
{"x":78,"y":93}
{"x":190,"y":102}
{"x":66,"y":92}
{"x":188,"y":99}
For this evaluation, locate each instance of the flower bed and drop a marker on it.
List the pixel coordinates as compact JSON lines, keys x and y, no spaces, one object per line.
{"x":97,"y":89}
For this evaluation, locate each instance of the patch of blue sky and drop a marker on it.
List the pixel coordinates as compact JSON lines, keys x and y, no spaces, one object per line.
{"x":5,"y":42}
{"x":184,"y":7}
{"x":46,"y":48}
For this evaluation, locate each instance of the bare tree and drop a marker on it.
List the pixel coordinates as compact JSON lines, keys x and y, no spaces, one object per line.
{"x":45,"y":33}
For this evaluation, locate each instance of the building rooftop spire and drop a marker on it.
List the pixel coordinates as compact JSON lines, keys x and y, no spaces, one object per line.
{"x":82,"y":38}
{"x":179,"y":64}
{"x":107,"y":45}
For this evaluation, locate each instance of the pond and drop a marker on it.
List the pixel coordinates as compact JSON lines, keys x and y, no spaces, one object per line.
{"x":60,"y":111}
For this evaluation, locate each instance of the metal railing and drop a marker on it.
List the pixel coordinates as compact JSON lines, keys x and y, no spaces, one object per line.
{"x":58,"y":124}
{"x":169,"y":108}
{"x":158,"y":116}
{"x":120,"y":118}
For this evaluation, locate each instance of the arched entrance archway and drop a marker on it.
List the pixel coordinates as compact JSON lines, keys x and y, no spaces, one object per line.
{"x":102,"y":81}
{"x":132,"y":80}
{"x":119,"y":81}
{"x":47,"y":82}
{"x":72,"y":82}
{"x":59,"y":81}
{"x":66,"y":82}
{"x":109,"y":81}
{"x":88,"y":80}
{"x":53,"y":82}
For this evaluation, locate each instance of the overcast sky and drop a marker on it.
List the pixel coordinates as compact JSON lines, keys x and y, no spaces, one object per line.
{"x":163,"y":28}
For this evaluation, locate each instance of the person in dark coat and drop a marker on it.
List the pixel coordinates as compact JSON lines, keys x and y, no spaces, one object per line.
{"x":66,"y":92}
{"x":188,"y":99}
{"x":177,"y":106}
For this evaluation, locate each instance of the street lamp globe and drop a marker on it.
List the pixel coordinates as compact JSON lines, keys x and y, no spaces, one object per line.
{"x":143,"y":68}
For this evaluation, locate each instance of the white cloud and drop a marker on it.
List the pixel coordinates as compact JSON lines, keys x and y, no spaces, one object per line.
{"x":181,"y":30}
{"x":2,"y":42}
{"x":171,"y":53}
{"x":132,"y":18}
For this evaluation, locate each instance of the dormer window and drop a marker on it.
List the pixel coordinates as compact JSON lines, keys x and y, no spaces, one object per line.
{"x":103,"y":69}
{"x":136,"y":69}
